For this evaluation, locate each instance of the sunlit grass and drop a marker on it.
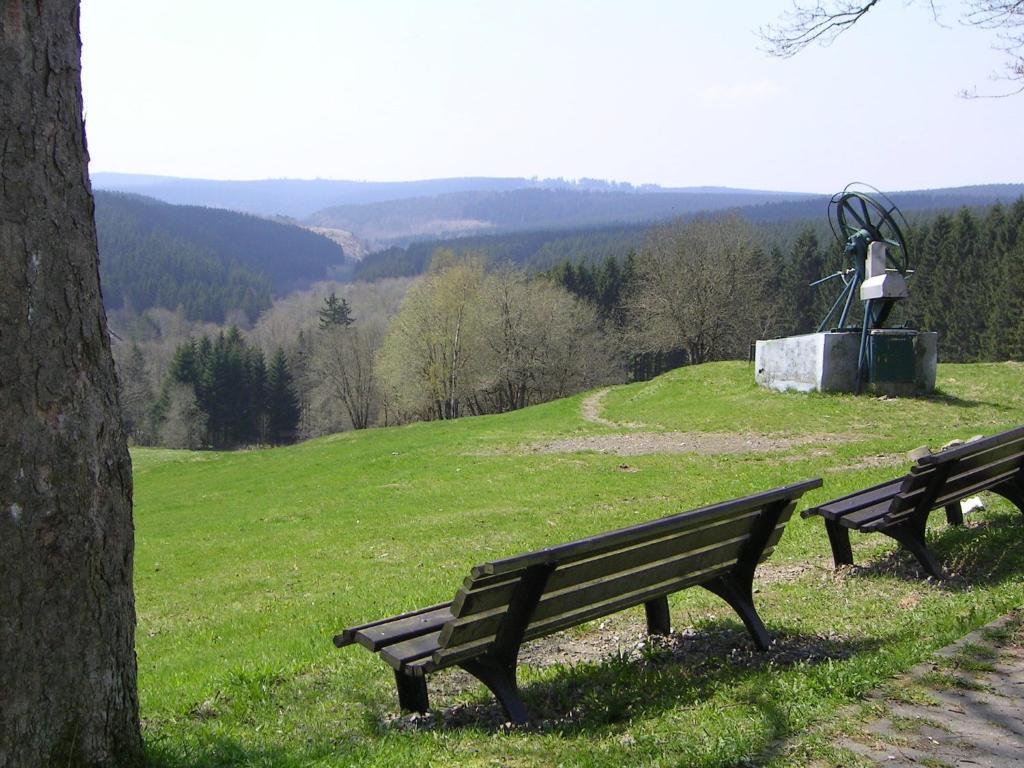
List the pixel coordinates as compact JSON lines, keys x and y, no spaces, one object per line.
{"x":247,"y":563}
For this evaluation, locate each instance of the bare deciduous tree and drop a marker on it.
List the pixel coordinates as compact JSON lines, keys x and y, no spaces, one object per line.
{"x":540,"y":343}
{"x":822,"y":21}
{"x":700,"y":286}
{"x":427,"y":355}
{"x":184,"y":422}
{"x":470,"y":342}
{"x":342,"y":368}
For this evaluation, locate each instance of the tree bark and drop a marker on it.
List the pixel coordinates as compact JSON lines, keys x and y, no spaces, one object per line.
{"x":67,"y":615}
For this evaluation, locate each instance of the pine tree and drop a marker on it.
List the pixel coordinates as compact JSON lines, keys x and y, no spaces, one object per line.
{"x":335,"y":312}
{"x":256,"y":385}
{"x":282,"y":402}
{"x":968,"y":313}
{"x":1005,"y":252}
{"x":804,"y":266}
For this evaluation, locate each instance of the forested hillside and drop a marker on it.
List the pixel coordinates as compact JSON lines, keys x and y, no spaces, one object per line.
{"x":537,"y":250}
{"x":778,"y":224}
{"x":208,"y":261}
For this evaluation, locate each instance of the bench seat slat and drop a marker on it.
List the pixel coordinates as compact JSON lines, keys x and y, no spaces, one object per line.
{"x":854,"y":502}
{"x":376,"y":637}
{"x":348,"y":636}
{"x":865,"y":516}
{"x":400,"y":654}
{"x":615,"y":539}
{"x":617,"y":561}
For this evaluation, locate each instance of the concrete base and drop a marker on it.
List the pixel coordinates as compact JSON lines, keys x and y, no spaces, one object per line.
{"x":827,"y":362}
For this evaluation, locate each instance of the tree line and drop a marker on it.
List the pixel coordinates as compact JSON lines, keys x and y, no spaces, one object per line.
{"x":473,"y":338}
{"x":219,"y":393}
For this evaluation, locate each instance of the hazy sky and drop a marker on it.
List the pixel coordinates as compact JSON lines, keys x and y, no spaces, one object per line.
{"x":669,"y":92}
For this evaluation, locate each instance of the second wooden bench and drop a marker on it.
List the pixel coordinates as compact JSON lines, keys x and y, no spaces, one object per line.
{"x":899,"y":508}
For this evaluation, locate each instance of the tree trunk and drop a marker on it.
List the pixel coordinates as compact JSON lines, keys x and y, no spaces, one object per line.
{"x":67,"y":613}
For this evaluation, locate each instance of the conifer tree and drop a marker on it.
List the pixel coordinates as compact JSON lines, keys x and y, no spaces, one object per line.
{"x":801,"y":310}
{"x":256,"y":396}
{"x":1005,"y":251}
{"x":335,"y":312}
{"x":282,"y":402}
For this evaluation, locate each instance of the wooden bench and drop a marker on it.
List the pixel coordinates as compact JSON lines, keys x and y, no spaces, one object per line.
{"x":504,"y":603}
{"x":900,"y":508}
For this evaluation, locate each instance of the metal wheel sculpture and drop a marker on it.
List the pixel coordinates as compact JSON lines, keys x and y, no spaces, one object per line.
{"x":862,"y":208}
{"x":862,"y":218}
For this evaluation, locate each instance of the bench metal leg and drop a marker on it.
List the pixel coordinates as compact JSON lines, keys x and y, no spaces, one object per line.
{"x":412,"y":692}
{"x":497,"y":668}
{"x":658,"y":620}
{"x":911,"y":536}
{"x":954,"y":513}
{"x":740,"y":597}
{"x":839,"y":539}
{"x":501,"y":680}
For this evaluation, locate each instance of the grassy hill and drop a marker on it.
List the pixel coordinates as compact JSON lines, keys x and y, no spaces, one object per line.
{"x":247,"y":563}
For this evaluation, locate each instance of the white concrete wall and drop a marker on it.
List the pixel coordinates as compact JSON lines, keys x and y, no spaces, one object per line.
{"x":827,"y":362}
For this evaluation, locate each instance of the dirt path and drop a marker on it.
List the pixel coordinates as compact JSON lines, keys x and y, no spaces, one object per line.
{"x":590,"y":410}
{"x":638,"y":442}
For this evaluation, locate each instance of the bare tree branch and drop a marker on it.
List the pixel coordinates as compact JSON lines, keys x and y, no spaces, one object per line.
{"x":823,"y":21}
{"x":805,"y":24}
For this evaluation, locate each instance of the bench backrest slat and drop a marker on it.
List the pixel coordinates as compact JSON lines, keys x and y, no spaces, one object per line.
{"x":973,"y":447}
{"x":472,"y":598}
{"x":964,"y":469}
{"x":616,"y":572}
{"x":623,"y":537}
{"x":975,"y":481}
{"x":660,"y":576}
{"x":453,"y":653}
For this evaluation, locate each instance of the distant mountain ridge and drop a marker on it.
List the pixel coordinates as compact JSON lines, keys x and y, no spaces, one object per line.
{"x":399,"y":222}
{"x":300,"y":198}
{"x":374,"y":216}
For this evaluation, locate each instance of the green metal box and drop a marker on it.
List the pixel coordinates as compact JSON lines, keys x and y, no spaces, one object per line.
{"x":891,"y":356}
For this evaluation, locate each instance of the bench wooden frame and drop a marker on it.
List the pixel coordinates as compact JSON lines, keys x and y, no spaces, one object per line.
{"x":899,"y":508}
{"x":504,"y":603}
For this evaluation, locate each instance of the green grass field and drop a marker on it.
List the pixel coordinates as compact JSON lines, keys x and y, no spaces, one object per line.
{"x":247,"y":563}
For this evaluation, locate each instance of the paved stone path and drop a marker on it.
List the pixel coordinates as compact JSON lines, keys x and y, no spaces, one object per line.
{"x":964,"y":708}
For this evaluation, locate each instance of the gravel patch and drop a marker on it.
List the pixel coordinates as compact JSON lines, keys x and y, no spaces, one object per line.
{"x":705,"y":443}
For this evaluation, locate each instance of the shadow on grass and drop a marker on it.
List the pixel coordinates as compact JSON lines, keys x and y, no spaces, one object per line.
{"x":982,"y":552}
{"x":945,"y":398}
{"x":678,"y":671}
{"x":219,"y":751}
